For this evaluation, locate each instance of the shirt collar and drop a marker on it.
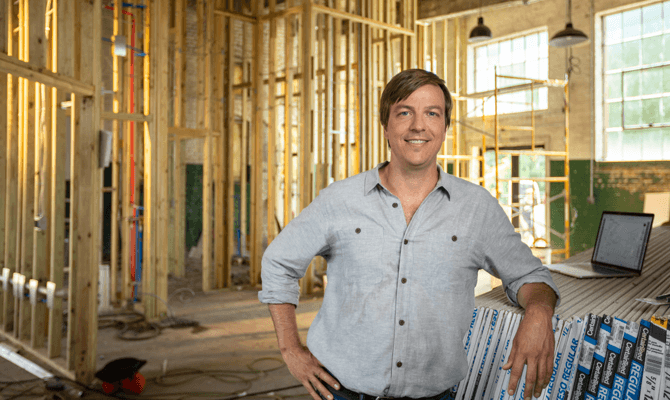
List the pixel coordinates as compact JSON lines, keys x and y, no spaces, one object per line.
{"x":372,"y":179}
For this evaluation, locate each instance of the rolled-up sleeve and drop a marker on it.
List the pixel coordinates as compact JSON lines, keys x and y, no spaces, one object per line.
{"x":504,"y":255}
{"x":287,"y":257}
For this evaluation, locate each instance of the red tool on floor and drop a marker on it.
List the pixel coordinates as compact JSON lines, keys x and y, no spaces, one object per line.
{"x":122,"y":373}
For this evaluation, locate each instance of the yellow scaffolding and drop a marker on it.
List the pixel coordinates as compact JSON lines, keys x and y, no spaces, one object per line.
{"x":515,"y":207}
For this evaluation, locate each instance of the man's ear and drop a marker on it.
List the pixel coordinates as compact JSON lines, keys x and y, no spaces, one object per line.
{"x":388,"y":142}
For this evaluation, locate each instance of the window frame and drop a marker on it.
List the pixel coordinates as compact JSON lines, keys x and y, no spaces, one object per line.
{"x":471,"y":72}
{"x":599,"y":75}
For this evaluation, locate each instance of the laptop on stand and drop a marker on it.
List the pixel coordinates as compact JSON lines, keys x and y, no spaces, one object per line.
{"x":619,"y":250}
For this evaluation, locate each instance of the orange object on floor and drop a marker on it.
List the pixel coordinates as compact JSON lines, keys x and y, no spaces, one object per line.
{"x":134,"y":384}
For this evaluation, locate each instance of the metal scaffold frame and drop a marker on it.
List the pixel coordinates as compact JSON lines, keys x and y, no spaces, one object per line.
{"x":531,"y":84}
{"x":565,"y":179}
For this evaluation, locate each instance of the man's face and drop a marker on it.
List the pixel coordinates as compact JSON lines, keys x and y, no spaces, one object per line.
{"x":416,"y":128}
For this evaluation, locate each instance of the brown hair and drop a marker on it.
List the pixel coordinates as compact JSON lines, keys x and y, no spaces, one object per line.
{"x":404,"y":84}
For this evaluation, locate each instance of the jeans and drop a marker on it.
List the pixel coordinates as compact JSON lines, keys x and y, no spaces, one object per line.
{"x":346,"y":394}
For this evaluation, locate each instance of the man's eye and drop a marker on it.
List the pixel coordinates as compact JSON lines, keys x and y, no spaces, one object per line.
{"x":403,"y":113}
{"x":433,"y":114}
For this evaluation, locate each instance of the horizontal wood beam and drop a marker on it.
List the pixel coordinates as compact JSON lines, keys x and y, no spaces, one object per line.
{"x":436,"y":10}
{"x":237,"y":16}
{"x":25,"y":70}
{"x":124,"y":116}
{"x":316,"y":8}
{"x":281,"y":14}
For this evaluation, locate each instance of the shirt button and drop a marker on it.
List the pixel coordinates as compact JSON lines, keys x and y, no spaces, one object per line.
{"x":454,"y":238}
{"x":399,"y":364}
{"x":402,"y":322}
{"x":395,"y":205}
{"x":406,"y":241}
{"x":358,"y":230}
{"x":403,"y":280}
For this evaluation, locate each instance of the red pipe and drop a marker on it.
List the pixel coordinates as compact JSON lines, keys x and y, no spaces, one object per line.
{"x":133,"y":224}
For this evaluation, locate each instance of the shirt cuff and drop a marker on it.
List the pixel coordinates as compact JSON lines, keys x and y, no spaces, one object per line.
{"x":512,"y":289}
{"x":279,"y":297}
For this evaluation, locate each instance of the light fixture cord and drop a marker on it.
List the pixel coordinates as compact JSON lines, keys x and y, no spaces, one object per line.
{"x":569,"y":11}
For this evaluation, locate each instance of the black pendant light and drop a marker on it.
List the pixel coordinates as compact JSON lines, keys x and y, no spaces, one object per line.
{"x":480,"y":32}
{"x":569,"y":36}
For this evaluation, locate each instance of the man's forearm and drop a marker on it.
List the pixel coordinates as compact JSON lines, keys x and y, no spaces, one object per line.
{"x":537,"y":294}
{"x":286,"y":326}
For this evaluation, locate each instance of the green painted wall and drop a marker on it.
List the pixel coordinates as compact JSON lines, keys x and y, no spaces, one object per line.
{"x":617,"y":187}
{"x":194,"y":204}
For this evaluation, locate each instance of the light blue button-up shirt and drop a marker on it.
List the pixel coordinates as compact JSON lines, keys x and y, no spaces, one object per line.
{"x":400,"y":297}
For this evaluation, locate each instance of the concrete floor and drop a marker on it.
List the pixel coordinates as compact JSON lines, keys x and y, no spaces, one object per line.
{"x":225,"y":355}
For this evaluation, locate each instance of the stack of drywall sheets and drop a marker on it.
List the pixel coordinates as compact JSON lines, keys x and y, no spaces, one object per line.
{"x":595,"y":357}
{"x":610,"y":296}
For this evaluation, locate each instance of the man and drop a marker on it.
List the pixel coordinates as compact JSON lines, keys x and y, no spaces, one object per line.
{"x":404,"y":242}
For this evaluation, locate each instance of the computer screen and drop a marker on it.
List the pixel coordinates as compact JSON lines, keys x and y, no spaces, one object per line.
{"x":622,"y":239}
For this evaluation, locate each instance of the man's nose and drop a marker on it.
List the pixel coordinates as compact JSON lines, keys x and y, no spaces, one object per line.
{"x":418,"y":123}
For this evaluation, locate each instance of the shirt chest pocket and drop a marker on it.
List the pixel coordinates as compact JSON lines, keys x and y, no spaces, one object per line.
{"x":450,"y":259}
{"x":359,"y":250}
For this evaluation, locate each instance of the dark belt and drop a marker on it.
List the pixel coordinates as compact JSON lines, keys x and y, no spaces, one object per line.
{"x":346,"y":394}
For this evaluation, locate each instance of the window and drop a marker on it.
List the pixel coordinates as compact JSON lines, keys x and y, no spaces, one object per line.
{"x":635,"y":84}
{"x":524,"y":57}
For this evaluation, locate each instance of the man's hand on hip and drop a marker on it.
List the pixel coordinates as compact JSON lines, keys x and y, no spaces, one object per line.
{"x":533,"y":345}
{"x":309,"y":371}
{"x":299,"y":360}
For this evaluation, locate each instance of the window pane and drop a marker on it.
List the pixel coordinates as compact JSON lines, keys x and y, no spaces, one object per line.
{"x":652,"y":49}
{"x":492,"y":53}
{"x":613,"y":56}
{"x":505,"y":53}
{"x":652,"y":144}
{"x":631,"y":83}
{"x":650,"y":81}
{"x":631,"y":53}
{"x":652,"y":19}
{"x":632,"y":113}
{"x":632,"y":145}
{"x":518,"y":49}
{"x":666,"y":47}
{"x":481,"y":82}
{"x":666,"y":109}
{"x":613,"y":29}
{"x":614,"y":115}
{"x":666,"y":144}
{"x":532,"y":69}
{"x":613,"y":86}
{"x":480,"y":57}
{"x":544,"y":70}
{"x":632,"y":23}
{"x":651,"y":111}
{"x":532,"y":47}
{"x":614,"y":145}
{"x":666,"y":14}
{"x":666,"y":78}
{"x":518,"y":70}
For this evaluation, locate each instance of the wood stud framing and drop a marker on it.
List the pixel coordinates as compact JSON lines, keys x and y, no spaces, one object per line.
{"x":295,"y":104}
